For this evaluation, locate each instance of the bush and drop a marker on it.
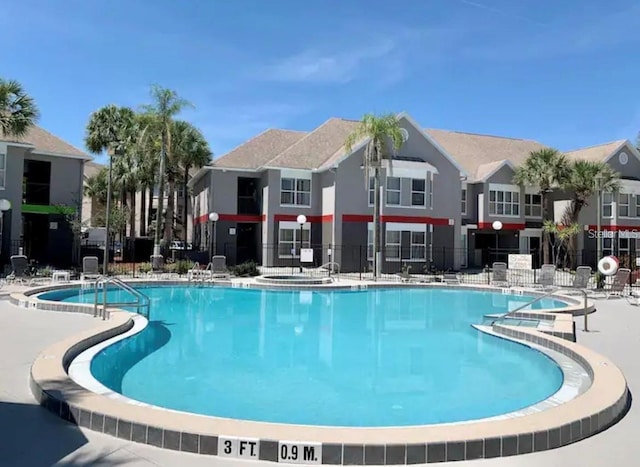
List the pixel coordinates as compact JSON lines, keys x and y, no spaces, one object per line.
{"x":144,"y":268}
{"x":247,"y":269}
{"x":45,"y":271}
{"x":180,"y":267}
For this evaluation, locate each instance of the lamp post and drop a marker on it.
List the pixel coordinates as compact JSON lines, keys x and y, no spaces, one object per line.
{"x":497,"y":227}
{"x":213,"y":217}
{"x":5,"y":205}
{"x":107,"y":217}
{"x":301,"y":219}
{"x":599,"y":218}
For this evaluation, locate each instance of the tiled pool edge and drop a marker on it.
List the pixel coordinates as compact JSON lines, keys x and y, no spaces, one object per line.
{"x":54,"y":390}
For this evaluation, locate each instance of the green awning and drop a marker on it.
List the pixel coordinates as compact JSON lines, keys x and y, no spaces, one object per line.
{"x":47,"y":209}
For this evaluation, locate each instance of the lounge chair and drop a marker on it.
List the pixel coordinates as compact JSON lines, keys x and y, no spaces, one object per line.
{"x":157,"y":266}
{"x":90,"y":268}
{"x":219,"y":267}
{"x":620,"y":281}
{"x":20,"y":270}
{"x":582,"y":277}
{"x":451,"y":278}
{"x":499,"y":274}
{"x":547,"y":277}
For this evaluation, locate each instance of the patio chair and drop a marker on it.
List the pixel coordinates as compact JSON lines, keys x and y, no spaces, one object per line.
{"x":20,"y":270}
{"x":620,"y":281}
{"x":157,"y":266}
{"x":451,"y":278}
{"x":499,"y":274}
{"x":90,"y":268}
{"x":582,"y":277}
{"x":547,"y":277}
{"x":219,"y":267}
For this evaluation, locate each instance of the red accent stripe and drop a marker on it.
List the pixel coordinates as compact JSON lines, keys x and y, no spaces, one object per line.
{"x":232,"y":218}
{"x":489,"y":225}
{"x":399,"y":219}
{"x":294,"y":217}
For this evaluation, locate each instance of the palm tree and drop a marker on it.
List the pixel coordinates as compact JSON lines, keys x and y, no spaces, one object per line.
{"x":544,"y":169}
{"x":166,"y":105}
{"x":18,"y":111}
{"x":191,"y":150}
{"x":378,"y":132}
{"x":582,"y":183}
{"x":110,"y":128}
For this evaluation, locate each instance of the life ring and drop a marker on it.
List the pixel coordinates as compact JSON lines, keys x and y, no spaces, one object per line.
{"x":608,"y":265}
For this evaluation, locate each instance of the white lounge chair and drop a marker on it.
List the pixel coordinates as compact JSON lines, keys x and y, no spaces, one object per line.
{"x":90,"y":268}
{"x":499,"y":274}
{"x":547,"y":277}
{"x":620,"y":281}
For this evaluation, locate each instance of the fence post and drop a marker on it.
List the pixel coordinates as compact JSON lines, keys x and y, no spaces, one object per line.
{"x":360,"y":259}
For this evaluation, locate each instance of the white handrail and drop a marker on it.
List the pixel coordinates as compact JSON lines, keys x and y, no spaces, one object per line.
{"x":142,"y":300}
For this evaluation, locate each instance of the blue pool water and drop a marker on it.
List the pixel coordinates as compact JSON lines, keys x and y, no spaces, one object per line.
{"x":391,"y":357}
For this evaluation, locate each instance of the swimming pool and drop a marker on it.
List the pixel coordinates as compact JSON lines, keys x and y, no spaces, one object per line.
{"x":381,"y":357}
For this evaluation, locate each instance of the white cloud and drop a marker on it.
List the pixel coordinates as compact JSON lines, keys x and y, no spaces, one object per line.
{"x":322,"y":66}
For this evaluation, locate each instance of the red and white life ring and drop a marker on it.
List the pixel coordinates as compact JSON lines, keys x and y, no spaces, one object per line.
{"x":608,"y":265}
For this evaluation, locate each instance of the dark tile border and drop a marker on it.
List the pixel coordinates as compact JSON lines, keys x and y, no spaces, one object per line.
{"x":340,"y":454}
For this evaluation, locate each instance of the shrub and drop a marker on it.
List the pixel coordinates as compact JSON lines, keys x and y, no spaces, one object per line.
{"x":246,"y":269}
{"x":180,"y":267}
{"x":144,"y":268}
{"x":45,"y":271}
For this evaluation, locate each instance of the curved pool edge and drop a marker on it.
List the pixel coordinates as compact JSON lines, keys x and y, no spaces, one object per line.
{"x":598,"y":408}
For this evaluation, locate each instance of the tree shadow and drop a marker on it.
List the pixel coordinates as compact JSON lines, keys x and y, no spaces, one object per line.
{"x":33,"y":437}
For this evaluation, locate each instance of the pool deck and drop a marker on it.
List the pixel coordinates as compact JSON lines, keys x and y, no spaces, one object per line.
{"x":41,"y":439}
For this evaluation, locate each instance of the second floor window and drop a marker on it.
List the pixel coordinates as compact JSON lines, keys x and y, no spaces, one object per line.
{"x":532,"y":205}
{"x":638,"y":210}
{"x":463,"y":206}
{"x":372,"y":190}
{"x":394,"y":189}
{"x":623,"y":204}
{"x":607,"y":204}
{"x":3,"y":170}
{"x":418,"y":191}
{"x":504,"y":203}
{"x":295,"y":192}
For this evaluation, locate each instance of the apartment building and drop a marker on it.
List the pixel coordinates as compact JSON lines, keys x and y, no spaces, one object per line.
{"x":41,"y":177}
{"x":259,"y":188}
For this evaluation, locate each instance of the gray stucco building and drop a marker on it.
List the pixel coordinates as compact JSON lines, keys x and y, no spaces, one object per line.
{"x":440,"y":198}
{"x":41,"y":176}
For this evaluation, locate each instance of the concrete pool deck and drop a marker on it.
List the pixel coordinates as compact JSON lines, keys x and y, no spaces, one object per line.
{"x":24,"y":333}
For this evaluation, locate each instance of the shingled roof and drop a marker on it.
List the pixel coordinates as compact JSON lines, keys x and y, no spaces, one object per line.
{"x":479,"y":154}
{"x":43,"y":141}
{"x":260,"y":149}
{"x":597,"y":153}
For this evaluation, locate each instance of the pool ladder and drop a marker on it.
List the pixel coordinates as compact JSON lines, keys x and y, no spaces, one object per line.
{"x":142,"y":303}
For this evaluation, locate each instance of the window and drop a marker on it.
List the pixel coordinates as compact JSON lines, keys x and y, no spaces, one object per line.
{"x":394,"y":185}
{"x":638,"y":206}
{"x":3,"y":170}
{"x":463,"y":207}
{"x":607,"y":246}
{"x":532,"y":205}
{"x":430,"y":177}
{"x":623,"y":247}
{"x":295,"y":191}
{"x":418,"y":191}
{"x":623,"y":204}
{"x":372,"y":191}
{"x":418,"y":245}
{"x":370,"y":243}
{"x":504,"y":203}
{"x":393,"y":244}
{"x":607,"y":204}
{"x":289,"y":240}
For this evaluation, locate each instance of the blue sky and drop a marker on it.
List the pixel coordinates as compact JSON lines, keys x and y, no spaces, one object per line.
{"x":562,"y":72}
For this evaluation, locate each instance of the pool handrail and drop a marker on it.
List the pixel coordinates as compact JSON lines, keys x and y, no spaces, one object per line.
{"x":142,"y":300}
{"x":550,"y":293}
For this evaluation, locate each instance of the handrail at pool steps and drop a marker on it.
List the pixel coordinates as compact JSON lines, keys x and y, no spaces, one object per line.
{"x":142,"y":301}
{"x":553,"y":292}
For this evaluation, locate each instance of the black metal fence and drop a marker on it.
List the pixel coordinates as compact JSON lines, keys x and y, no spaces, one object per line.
{"x":132,"y":258}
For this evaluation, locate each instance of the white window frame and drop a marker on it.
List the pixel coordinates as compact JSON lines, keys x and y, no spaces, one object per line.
{"x":430,"y":184}
{"x":390,"y":247}
{"x":414,"y":245}
{"x":637,"y":206}
{"x":624,"y":205}
{"x":393,"y":190}
{"x":400,"y":228}
{"x":371,"y":191}
{"x":626,"y":250}
{"x":3,"y":168}
{"x":370,"y":242}
{"x":607,"y":205}
{"x":493,"y":205}
{"x":463,"y":204}
{"x":295,"y":191}
{"x":607,"y":245}
{"x":293,"y":245}
{"x":422,"y":192}
{"x":529,"y":205}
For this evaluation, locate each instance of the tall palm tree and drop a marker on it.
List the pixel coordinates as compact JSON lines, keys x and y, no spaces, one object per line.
{"x":379,"y":132}
{"x":18,"y":110}
{"x":166,"y":105}
{"x":110,"y":129}
{"x":582,"y":183}
{"x":192,"y":151}
{"x":545,"y":169}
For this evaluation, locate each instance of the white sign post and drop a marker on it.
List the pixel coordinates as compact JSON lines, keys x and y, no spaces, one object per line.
{"x":306,"y":255}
